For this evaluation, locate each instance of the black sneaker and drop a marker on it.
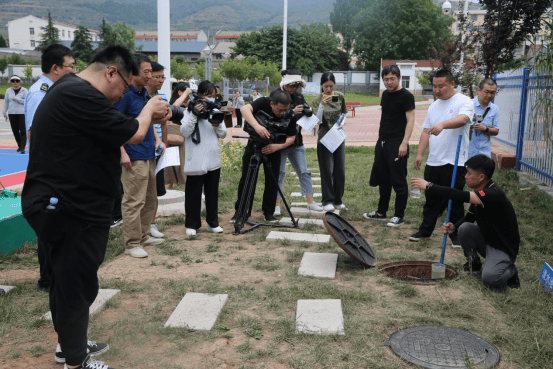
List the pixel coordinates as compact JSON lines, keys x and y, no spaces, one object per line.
{"x":116,"y":222}
{"x":417,"y":236}
{"x":92,"y":349}
{"x":270,"y":218}
{"x":42,"y":288}
{"x":514,"y":282}
{"x":455,"y":241}
{"x":374,"y":216}
{"x":395,"y":222}
{"x":476,"y":266}
{"x":89,"y":363}
{"x":233,"y":219}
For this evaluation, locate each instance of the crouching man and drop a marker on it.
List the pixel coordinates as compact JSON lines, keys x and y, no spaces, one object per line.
{"x":495,"y":235}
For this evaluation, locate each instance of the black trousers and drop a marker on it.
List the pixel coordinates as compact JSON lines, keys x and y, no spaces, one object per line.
{"x":238,"y":118}
{"x":116,"y":213}
{"x":333,"y":173}
{"x":75,"y":260}
{"x":389,"y":171}
{"x":17,"y":122}
{"x":44,"y":264}
{"x":435,"y":205}
{"x":271,"y":186}
{"x":193,"y":199}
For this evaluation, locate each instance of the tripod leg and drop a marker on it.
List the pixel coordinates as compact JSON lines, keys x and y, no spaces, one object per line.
{"x":275,"y":180}
{"x":246,"y":198}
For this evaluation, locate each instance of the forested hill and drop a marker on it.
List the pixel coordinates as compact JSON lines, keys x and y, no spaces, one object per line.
{"x":185,"y":14}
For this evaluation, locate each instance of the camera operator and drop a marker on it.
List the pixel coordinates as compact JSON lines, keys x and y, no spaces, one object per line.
{"x":291,"y":82}
{"x":275,"y":107}
{"x":203,"y":164}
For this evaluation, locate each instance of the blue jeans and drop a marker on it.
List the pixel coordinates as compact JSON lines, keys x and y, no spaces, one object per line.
{"x":296,"y":154}
{"x":333,"y":173}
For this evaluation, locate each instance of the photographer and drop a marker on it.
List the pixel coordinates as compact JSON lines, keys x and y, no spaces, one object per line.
{"x":274,"y":107}
{"x":291,"y":82}
{"x":203,"y":163}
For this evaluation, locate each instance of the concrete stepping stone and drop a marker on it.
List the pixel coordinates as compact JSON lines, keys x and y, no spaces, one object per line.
{"x":171,"y":197}
{"x":318,"y":265}
{"x":320,"y":317}
{"x":314,"y":186}
{"x":97,"y":305}
{"x":315,"y":178}
{"x":9,"y":288}
{"x":298,"y":194}
{"x":302,"y":222}
{"x":299,"y":237}
{"x":305,"y":211}
{"x":198,"y":311}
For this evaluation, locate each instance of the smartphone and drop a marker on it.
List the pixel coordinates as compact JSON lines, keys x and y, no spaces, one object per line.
{"x":334,"y":98}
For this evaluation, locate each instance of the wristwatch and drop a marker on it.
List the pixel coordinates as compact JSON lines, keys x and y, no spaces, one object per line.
{"x":428,"y":185}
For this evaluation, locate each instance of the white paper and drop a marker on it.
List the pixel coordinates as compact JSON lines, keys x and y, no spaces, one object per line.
{"x":170,"y":158}
{"x":308,"y":123}
{"x":334,"y":138}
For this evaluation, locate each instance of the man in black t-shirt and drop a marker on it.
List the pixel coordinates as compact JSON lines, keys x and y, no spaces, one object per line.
{"x":495,"y":235}
{"x":75,"y":158}
{"x":275,"y":107}
{"x":392,"y":148}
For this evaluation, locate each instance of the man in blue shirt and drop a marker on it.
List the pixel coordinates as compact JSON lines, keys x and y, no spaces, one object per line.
{"x":57,"y":61}
{"x":138,"y":175}
{"x":486,"y":119}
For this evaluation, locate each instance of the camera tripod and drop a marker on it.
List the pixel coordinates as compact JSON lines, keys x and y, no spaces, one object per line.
{"x":246,"y":198}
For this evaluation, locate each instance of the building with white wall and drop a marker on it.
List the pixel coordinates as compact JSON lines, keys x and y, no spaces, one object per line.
{"x":25,"y":33}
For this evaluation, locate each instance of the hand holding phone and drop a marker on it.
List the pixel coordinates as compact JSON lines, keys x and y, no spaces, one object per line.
{"x":334,"y":98}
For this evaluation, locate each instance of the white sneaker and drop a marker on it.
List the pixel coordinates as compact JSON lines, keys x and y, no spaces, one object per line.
{"x":190,"y":232}
{"x":277,"y":211}
{"x":137,"y":252}
{"x":215,"y":230}
{"x":154,"y":232}
{"x":329,"y":207}
{"x":314,"y":207}
{"x":152,"y":240}
{"x":341,"y":207}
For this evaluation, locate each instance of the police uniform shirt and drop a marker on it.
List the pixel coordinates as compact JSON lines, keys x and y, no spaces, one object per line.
{"x":34,"y":97}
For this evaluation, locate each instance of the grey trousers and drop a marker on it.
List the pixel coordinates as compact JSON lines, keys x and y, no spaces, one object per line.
{"x":499,"y":266}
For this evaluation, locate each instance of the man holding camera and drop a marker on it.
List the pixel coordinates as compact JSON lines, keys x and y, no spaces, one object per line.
{"x":486,"y":119}
{"x":275,"y":107}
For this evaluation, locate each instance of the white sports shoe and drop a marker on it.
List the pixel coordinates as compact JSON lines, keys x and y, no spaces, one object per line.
{"x":341,"y":207}
{"x":154,"y":232}
{"x":215,"y":230}
{"x":277,"y":211}
{"x":314,"y":207}
{"x":152,"y":240}
{"x":137,"y":252}
{"x":329,"y":207}
{"x":190,"y":232}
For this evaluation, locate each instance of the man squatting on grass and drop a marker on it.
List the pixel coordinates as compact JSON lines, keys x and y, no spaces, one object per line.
{"x":495,"y":235}
{"x":75,"y":157}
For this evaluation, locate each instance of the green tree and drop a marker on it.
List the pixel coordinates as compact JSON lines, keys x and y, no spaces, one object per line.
{"x":200,"y":69}
{"x":181,"y":70}
{"x":400,"y":29}
{"x":16,"y":59}
{"x":3,"y":42}
{"x":234,"y":69}
{"x":50,"y":34}
{"x":28,"y":71}
{"x":341,"y":20}
{"x":124,"y":35}
{"x":106,"y":35}
{"x":80,"y":65}
{"x":216,"y":76}
{"x":3,"y":64}
{"x":82,"y":44}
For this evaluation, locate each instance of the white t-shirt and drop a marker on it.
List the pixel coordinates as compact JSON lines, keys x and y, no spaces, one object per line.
{"x":443,"y":147}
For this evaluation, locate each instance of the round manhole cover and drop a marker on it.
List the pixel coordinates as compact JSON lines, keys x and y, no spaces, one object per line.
{"x":442,"y":348}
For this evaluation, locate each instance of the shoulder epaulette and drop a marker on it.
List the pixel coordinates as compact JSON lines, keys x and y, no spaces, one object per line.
{"x":44,"y":87}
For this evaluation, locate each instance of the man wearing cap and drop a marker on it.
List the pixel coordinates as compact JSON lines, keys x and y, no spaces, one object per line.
{"x":14,"y":111}
{"x":238,"y":103}
{"x":291,"y":83}
{"x":57,"y":61}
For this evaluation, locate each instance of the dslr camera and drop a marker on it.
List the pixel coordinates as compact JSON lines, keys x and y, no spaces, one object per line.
{"x":210,"y":109}
{"x":177,"y":113}
{"x":275,"y":126}
{"x":306,"y":111}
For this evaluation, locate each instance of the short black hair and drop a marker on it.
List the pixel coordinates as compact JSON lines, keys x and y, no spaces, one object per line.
{"x":440,"y":73}
{"x":481,"y":164}
{"x":285,"y":72}
{"x":394,"y":69}
{"x":54,"y":55}
{"x":156,"y":67}
{"x":282,"y":97}
{"x":118,"y":56}
{"x":140,"y":58}
{"x":206,"y":88}
{"x":486,"y":81}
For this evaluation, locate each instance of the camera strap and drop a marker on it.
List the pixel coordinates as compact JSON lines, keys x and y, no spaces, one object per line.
{"x":196,"y":134}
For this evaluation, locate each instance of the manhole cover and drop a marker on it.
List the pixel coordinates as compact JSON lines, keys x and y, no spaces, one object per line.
{"x":349,"y":239}
{"x":415,"y":271}
{"x":442,"y":348}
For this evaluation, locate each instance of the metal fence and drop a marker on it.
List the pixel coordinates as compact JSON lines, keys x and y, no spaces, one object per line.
{"x":525,"y":106}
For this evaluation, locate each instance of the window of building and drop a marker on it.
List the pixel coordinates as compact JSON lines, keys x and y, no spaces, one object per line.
{"x":405,"y":81}
{"x":473,"y":17}
{"x":32,"y":31}
{"x":194,"y":59}
{"x":62,"y":33}
{"x":33,"y":43}
{"x":69,"y":34}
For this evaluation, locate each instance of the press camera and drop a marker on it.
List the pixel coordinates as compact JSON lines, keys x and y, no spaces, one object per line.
{"x":275,"y":126}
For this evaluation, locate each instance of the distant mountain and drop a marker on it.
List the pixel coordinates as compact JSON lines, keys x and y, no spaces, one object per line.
{"x":209,"y":15}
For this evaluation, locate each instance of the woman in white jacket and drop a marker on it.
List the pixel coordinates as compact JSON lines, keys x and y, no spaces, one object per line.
{"x":203,"y":162}
{"x":14,"y":109}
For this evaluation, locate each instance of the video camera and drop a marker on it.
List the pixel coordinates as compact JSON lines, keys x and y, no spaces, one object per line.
{"x":275,"y":126}
{"x":210,"y":109}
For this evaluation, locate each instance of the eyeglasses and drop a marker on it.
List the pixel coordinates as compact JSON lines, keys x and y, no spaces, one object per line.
{"x":15,"y":81}
{"x":163,"y":78}
{"x":126,"y":84}
{"x":73,"y":67}
{"x":295,"y":85}
{"x":492,"y":93}
{"x":392,"y":79}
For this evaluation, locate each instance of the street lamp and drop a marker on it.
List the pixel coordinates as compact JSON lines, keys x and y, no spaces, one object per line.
{"x":207,"y":51}
{"x":345,"y":76}
{"x":446,"y":10}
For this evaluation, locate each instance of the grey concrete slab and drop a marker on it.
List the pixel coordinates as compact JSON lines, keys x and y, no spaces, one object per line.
{"x":314,"y":186}
{"x":101,"y":299}
{"x":170,"y":209}
{"x":304,"y":211}
{"x":198,"y":311}
{"x":299,"y":237}
{"x":318,"y":265}
{"x":315,"y":178}
{"x":298,"y":194}
{"x":320,"y":317}
{"x":9,"y":288}
{"x":302,"y":221}
{"x":171,"y":197}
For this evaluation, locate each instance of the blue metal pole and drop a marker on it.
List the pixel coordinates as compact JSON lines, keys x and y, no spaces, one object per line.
{"x":452,"y":186}
{"x":522,"y":116}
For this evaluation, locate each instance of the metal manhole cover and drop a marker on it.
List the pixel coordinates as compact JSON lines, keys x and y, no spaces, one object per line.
{"x":442,"y":348}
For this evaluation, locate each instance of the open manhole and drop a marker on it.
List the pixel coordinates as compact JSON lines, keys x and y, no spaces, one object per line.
{"x":438,"y":347}
{"x":416,"y":272}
